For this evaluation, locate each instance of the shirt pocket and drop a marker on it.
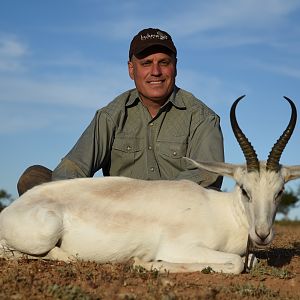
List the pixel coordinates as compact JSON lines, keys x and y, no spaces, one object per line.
{"x":171,"y":154}
{"x":175,"y":147}
{"x":125,"y":152}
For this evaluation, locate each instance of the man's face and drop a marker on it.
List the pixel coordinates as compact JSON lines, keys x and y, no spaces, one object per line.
{"x":154,"y":76}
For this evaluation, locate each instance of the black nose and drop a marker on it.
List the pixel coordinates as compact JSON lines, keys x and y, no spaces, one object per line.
{"x":262,"y":235}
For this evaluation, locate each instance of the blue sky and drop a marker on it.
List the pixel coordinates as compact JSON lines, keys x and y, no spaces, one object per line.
{"x":60,"y":61}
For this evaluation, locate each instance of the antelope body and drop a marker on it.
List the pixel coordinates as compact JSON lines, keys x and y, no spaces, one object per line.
{"x":174,"y":225}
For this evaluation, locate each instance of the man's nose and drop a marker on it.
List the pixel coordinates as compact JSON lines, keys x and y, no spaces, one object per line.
{"x":156,"y":69}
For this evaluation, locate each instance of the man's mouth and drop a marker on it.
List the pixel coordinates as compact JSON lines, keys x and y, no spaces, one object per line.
{"x":154,"y":82}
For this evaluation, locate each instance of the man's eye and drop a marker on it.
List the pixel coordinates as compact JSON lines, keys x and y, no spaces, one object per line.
{"x":164,"y":63}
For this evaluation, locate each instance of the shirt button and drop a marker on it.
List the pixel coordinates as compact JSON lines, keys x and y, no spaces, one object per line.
{"x":151,"y":124}
{"x":128,"y":148}
{"x":174,"y":153}
{"x":150,"y":148}
{"x":152,"y":169}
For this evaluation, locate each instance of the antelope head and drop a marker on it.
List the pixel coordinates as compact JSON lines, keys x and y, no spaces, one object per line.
{"x":262,"y":184}
{"x":259,"y":185}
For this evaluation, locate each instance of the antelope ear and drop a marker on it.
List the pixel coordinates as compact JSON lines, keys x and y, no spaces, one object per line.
{"x":219,"y":168}
{"x":291,"y":172}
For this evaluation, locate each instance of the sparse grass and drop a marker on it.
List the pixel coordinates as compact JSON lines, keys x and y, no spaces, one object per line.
{"x":258,"y":292}
{"x":68,"y":292}
{"x":207,"y":270}
{"x":144,"y":273}
{"x":263,"y":270}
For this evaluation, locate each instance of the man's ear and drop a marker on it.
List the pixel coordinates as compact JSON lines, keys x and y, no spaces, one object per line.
{"x":131,"y":69}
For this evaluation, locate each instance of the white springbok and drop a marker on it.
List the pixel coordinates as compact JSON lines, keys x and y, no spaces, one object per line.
{"x":174,"y":225}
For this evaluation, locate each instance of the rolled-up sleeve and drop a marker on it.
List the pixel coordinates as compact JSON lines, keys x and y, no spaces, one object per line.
{"x":90,"y":153}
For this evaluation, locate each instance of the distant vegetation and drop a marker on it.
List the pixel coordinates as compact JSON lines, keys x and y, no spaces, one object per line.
{"x":290,"y":199}
{"x":5,"y":199}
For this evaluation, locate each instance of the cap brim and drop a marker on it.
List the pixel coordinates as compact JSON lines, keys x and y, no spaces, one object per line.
{"x":161,"y":47}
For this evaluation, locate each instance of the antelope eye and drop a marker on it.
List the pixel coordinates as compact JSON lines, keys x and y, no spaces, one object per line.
{"x":244,"y":193}
{"x":280,"y":193}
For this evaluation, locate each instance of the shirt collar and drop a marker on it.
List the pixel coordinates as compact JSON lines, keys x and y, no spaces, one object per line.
{"x":176,"y":99}
{"x":133,"y":98}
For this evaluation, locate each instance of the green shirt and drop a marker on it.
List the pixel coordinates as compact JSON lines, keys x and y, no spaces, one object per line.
{"x":124,"y":140}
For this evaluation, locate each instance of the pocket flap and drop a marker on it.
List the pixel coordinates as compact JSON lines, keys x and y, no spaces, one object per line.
{"x":127,"y":144}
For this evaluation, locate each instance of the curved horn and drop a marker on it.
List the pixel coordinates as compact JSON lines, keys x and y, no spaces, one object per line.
{"x":248,"y":150}
{"x":275,"y":154}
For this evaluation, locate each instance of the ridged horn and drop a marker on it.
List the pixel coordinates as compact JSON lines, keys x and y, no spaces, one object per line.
{"x":275,"y":154}
{"x":248,"y":150}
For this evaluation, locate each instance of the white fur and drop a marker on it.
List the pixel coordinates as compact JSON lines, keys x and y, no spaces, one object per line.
{"x":174,"y":225}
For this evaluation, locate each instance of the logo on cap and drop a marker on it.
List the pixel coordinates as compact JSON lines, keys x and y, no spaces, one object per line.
{"x":159,"y":35}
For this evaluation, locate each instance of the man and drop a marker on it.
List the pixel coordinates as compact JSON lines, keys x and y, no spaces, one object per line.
{"x":145,"y":132}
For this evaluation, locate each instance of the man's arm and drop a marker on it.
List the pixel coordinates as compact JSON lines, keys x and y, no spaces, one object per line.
{"x":90,"y":153}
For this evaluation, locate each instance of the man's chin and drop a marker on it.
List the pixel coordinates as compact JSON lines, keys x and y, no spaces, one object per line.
{"x":156,"y":97}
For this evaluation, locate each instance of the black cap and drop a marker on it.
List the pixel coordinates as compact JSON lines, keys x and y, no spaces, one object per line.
{"x":151,"y":37}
